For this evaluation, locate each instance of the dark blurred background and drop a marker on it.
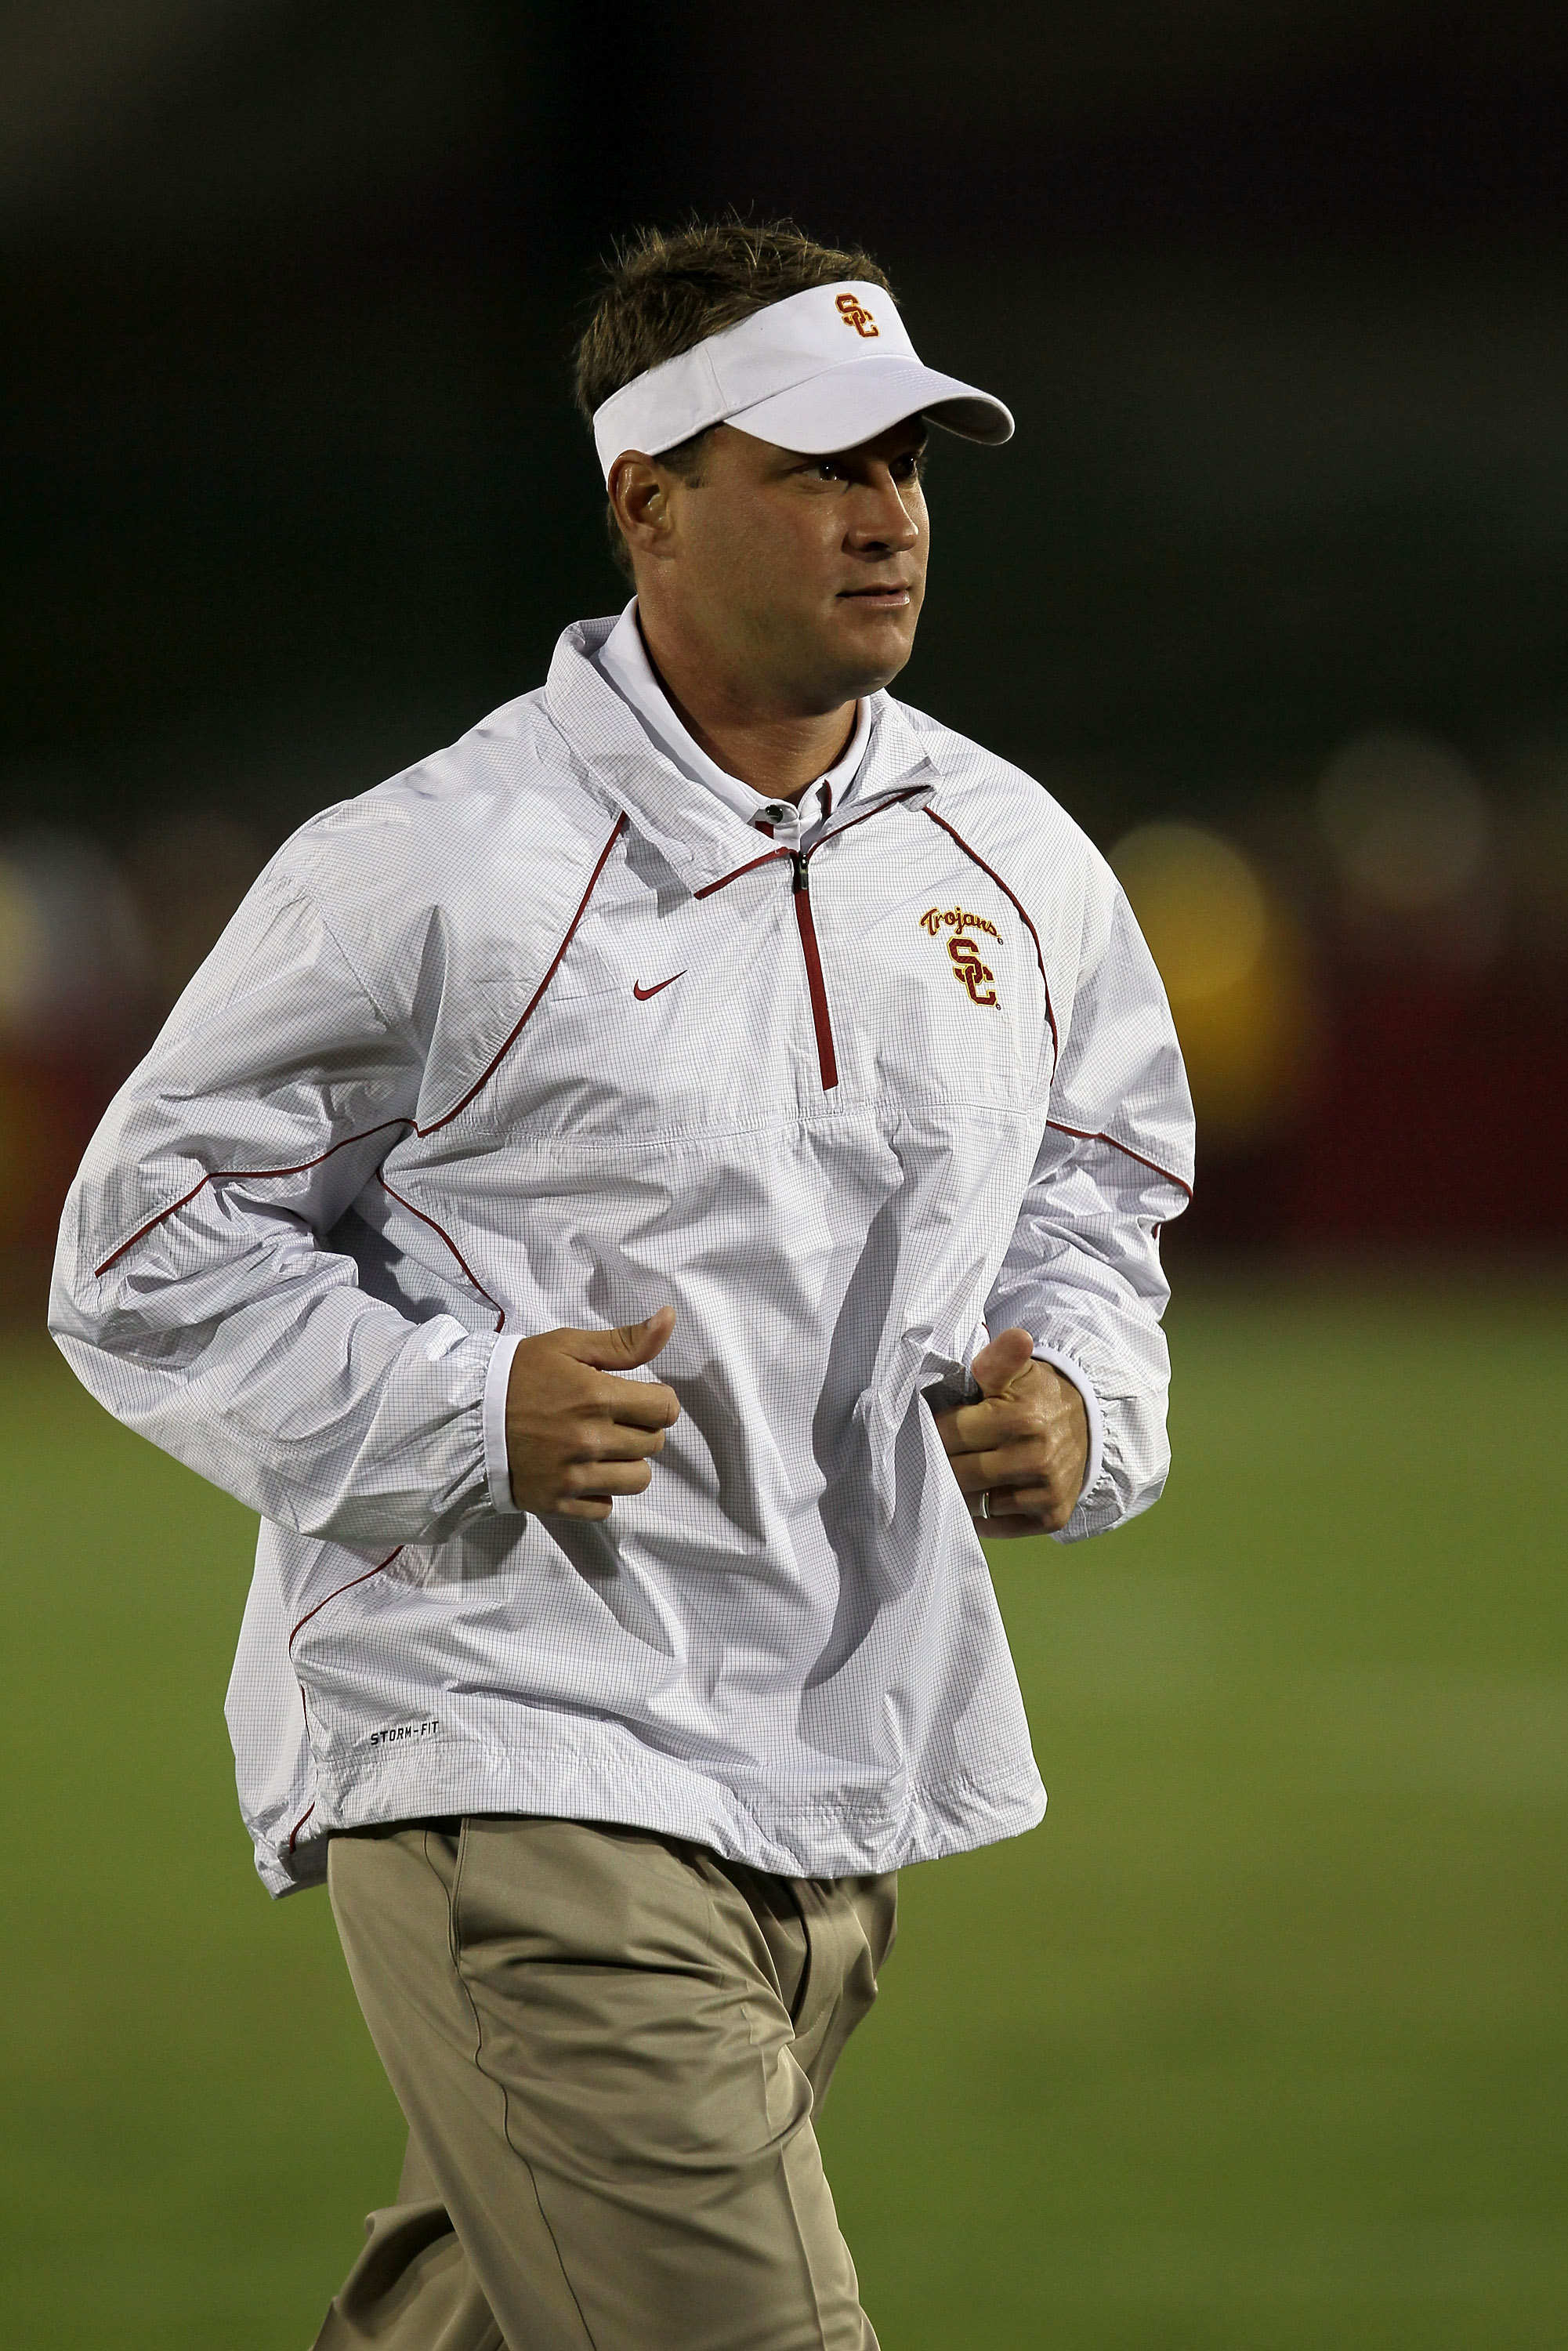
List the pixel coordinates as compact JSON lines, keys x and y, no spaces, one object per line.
{"x":1271,"y":588}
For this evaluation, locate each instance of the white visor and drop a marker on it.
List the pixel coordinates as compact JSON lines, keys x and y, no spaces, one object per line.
{"x":818,"y":371}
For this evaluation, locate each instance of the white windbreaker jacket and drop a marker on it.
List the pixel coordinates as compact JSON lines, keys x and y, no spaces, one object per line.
{"x":542,"y":1032}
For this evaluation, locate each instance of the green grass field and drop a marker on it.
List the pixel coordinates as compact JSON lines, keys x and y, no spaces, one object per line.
{"x":1259,"y":2044}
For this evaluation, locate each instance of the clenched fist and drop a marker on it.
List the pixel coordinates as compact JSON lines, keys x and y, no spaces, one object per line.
{"x":577,"y":1436}
{"x":1026,"y":1442}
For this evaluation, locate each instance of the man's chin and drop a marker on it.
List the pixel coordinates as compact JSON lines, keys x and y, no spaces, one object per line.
{"x":871,"y":646}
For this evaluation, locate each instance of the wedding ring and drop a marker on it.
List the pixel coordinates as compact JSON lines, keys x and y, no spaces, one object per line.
{"x":985,"y":1503}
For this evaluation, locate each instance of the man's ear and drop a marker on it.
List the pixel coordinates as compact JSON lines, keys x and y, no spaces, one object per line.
{"x":639,"y":496}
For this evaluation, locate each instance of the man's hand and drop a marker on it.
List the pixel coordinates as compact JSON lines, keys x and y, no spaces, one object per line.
{"x":1026,"y":1442}
{"x":576,"y":1434}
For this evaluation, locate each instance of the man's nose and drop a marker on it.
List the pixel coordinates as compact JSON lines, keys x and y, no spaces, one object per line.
{"x":881,"y":518}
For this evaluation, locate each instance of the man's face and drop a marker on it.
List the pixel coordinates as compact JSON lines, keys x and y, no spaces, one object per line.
{"x":805,"y":575}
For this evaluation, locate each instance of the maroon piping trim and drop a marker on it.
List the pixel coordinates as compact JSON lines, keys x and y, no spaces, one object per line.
{"x":977,"y":859}
{"x":485,"y":1075}
{"x":1081,"y":1135}
{"x":1078,"y":1131}
{"x":441,"y":1234}
{"x":380,"y":1568}
{"x":822,"y":1020}
{"x":303,"y":1707}
{"x":816,"y":988}
{"x":243,"y":1176}
{"x":263,"y":1175}
{"x":767,"y":858}
{"x":893,"y":800}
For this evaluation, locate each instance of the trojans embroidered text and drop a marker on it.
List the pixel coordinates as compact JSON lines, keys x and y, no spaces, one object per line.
{"x":956,"y":918}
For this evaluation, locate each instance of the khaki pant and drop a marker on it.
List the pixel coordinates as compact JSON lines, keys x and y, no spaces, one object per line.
{"x":608,"y":2046}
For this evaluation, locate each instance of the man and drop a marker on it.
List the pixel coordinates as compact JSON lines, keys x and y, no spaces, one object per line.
{"x":620,"y":1200}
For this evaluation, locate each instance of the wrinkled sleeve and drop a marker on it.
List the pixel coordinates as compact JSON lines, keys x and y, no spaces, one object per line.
{"x":1082,"y":1273}
{"x":196,"y":1293}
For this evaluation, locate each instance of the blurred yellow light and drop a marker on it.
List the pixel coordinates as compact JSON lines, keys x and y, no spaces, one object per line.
{"x":1232,"y":969}
{"x":23,"y":947}
{"x":1198,"y":904}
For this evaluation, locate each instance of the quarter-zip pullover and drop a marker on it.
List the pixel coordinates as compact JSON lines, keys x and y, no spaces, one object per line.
{"x":535,"y":1034}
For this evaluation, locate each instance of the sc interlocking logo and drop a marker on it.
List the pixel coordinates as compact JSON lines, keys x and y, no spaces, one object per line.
{"x":975,"y":975}
{"x":969,"y":967}
{"x":853,"y":313}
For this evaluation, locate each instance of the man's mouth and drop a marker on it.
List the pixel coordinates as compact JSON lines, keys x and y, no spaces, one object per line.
{"x":891,"y":593}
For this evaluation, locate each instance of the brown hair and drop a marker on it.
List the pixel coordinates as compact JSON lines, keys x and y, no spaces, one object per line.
{"x":666,"y":291}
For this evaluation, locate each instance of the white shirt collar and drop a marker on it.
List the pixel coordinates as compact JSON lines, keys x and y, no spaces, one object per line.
{"x":622,"y":659}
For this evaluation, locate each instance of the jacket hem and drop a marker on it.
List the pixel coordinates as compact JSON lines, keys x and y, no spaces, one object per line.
{"x":849,"y":1833}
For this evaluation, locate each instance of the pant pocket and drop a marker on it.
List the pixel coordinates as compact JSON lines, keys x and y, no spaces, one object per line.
{"x":529,"y":1891}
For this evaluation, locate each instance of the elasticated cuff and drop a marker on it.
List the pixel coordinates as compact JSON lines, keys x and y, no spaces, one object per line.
{"x":497,"y":1471}
{"x":1071,"y":1369}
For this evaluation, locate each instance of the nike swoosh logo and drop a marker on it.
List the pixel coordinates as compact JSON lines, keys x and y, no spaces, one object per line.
{"x":642,"y":994}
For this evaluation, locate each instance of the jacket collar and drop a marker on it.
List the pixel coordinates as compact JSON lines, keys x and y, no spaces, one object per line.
{"x":699,"y":836}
